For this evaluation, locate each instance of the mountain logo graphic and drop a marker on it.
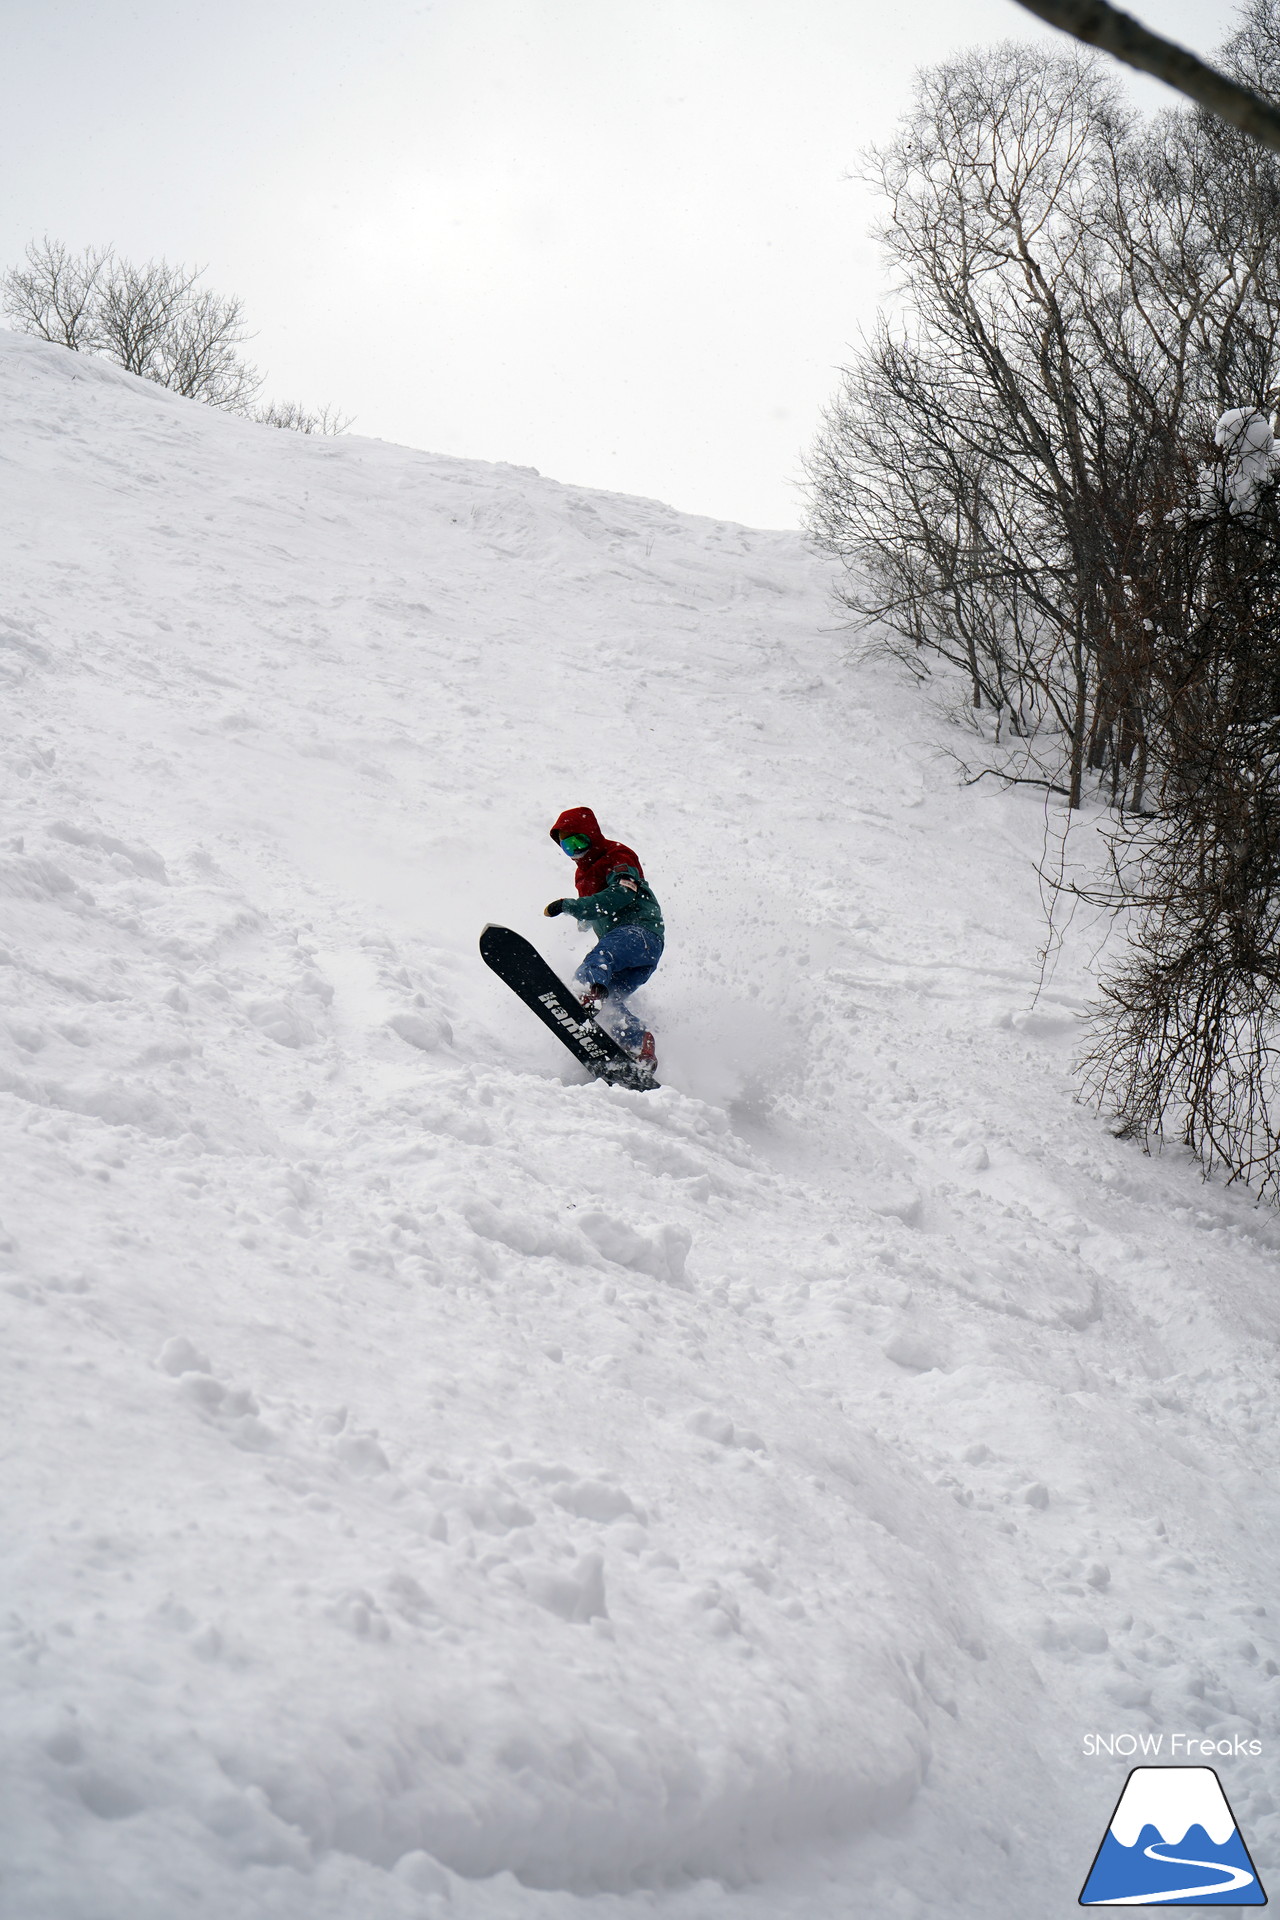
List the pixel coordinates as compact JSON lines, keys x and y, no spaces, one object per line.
{"x":1172,"y":1842}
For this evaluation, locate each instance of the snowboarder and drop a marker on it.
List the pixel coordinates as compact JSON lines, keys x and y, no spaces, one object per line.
{"x":618,"y":905}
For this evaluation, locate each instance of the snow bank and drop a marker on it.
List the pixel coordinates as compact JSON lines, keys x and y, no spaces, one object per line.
{"x":441,"y":1485}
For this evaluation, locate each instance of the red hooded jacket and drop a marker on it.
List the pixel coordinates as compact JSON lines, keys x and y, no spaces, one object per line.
{"x":593,"y":873}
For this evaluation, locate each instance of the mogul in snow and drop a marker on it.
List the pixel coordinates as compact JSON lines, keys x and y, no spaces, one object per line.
{"x":617,"y":903}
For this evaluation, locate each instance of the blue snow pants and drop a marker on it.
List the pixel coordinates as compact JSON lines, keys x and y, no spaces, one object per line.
{"x":623,"y":960}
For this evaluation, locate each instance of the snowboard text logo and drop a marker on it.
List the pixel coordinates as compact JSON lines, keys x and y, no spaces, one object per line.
{"x":579,"y":1026}
{"x":1172,"y":1842}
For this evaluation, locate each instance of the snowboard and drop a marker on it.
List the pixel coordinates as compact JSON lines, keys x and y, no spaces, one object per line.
{"x":528,"y":975}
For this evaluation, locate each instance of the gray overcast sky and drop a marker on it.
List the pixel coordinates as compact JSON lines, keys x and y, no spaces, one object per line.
{"x":612,"y":239}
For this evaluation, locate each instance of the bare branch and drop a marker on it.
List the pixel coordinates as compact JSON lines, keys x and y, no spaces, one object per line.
{"x":1098,"y":24}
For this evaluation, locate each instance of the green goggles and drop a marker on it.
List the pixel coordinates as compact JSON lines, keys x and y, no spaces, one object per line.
{"x":574,"y":844}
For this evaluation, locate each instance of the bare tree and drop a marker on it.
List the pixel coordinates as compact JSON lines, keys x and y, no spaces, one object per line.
{"x":971,"y":474}
{"x":1049,"y":474}
{"x":54,"y":295}
{"x":1186,"y":1035}
{"x":1078,"y":296}
{"x":291,"y":414}
{"x":154,"y":320}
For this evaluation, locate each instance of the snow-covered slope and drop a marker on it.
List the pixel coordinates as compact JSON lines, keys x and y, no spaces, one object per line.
{"x":437,"y":1485}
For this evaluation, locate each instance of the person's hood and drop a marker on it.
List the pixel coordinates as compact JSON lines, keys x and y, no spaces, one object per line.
{"x":578,"y":820}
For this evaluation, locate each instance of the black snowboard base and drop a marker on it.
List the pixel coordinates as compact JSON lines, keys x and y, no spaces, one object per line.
{"x":527,"y":974}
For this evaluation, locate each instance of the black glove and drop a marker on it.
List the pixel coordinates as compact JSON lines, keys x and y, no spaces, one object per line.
{"x":557,"y":906}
